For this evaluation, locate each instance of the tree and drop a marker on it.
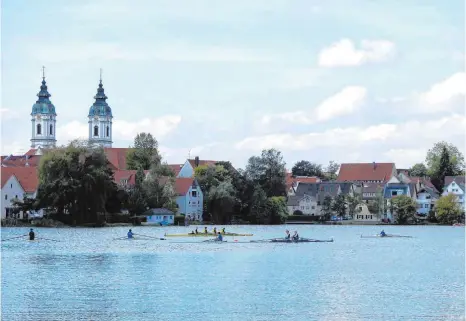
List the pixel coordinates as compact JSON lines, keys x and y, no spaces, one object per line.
{"x":327,"y":205}
{"x":444,"y":159}
{"x":221,"y":200}
{"x":447,"y":209}
{"x":158,"y":190}
{"x":306,"y":168}
{"x":418,"y":170}
{"x":268,"y":170}
{"x":75,"y":179}
{"x":276,"y":210}
{"x":404,"y":208}
{"x":144,"y":153}
{"x":331,"y":171}
{"x":353,"y":202}
{"x":25,"y":205}
{"x":339,"y":205}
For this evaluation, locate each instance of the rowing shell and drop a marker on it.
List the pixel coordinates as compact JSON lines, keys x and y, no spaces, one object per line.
{"x":379,"y":236}
{"x":206,"y":235}
{"x":301,"y":240}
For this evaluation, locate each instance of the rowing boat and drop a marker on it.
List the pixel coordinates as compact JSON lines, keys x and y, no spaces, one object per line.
{"x":206,"y":235}
{"x":387,"y":235}
{"x":300,"y":240}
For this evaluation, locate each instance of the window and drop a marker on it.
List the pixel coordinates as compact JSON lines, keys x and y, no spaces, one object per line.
{"x":39,"y":129}
{"x":51,"y":130}
{"x":426,"y":205}
{"x":313,"y":207}
{"x":16,"y":196}
{"x":194,"y":193}
{"x":11,"y":185}
{"x":6,"y":197}
{"x":96,"y":130}
{"x":108,"y":131}
{"x":394,"y":193}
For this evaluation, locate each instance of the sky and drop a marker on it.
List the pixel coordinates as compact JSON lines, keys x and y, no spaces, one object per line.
{"x":340,"y":80}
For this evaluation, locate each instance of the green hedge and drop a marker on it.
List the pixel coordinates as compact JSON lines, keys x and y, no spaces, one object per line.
{"x":179,"y":220}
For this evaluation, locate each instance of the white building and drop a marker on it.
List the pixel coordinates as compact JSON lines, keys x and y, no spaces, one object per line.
{"x":17,"y":183}
{"x":455,"y":185}
{"x":305,"y":203}
{"x":43,"y":119}
{"x":363,"y":215}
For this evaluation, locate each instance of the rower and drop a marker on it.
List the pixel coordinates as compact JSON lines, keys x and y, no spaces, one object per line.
{"x":223,"y":231}
{"x":130,"y":234}
{"x":205,"y":230}
{"x":31,"y":235}
{"x":196,"y":231}
{"x":295,"y":236}
{"x":382,"y":234}
{"x":219,"y":237}
{"x":215,"y":230}
{"x":288,"y":236}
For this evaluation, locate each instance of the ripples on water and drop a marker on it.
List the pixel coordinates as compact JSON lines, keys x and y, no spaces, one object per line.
{"x":90,"y":276}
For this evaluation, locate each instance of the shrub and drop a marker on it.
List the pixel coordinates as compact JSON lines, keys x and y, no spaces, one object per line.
{"x":297,"y":212}
{"x":179,"y":220}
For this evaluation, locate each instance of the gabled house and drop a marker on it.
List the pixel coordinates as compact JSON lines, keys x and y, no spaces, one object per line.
{"x":455,"y":185}
{"x":18,"y":183}
{"x":187,"y":170}
{"x":393,"y":188}
{"x":426,"y":193}
{"x":305,"y":203}
{"x":366,"y":172}
{"x":190,"y":199}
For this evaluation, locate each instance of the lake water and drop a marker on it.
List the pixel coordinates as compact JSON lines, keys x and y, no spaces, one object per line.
{"x":90,"y":276}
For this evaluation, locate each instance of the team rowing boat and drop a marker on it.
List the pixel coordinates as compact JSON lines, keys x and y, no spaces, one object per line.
{"x":276,"y":240}
{"x":206,"y":235}
{"x":387,"y":235}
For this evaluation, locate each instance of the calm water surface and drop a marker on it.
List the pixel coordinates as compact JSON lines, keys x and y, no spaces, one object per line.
{"x":90,"y":276}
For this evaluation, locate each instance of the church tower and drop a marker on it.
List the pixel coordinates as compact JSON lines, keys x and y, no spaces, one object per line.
{"x":43,"y":119}
{"x":100,"y":119}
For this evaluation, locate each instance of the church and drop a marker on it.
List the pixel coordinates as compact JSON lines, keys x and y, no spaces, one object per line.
{"x":44,"y":119}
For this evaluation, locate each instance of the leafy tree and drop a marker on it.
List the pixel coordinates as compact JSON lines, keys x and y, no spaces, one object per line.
{"x":276,"y":210}
{"x":27,"y":204}
{"x":75,"y":179}
{"x":418,"y":170}
{"x":353,"y":202}
{"x":339,"y":205}
{"x":158,"y":190}
{"x":257,"y":212}
{"x":331,"y":171}
{"x":136,"y":202}
{"x":268,"y":170}
{"x":404,"y":208}
{"x":144,"y":153}
{"x":306,"y":168}
{"x":327,"y":205}
{"x":444,"y":159}
{"x":447,"y":209}
{"x":221,"y":200}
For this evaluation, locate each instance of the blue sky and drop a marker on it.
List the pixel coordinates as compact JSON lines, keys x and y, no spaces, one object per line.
{"x":349,"y":81}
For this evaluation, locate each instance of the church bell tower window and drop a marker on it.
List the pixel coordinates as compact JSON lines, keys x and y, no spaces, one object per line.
{"x":51,"y":130}
{"x":108,"y":131}
{"x":96,"y":131}
{"x":39,"y":129}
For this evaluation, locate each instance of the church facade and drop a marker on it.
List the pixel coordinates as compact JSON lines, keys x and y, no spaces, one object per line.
{"x":44,"y":120}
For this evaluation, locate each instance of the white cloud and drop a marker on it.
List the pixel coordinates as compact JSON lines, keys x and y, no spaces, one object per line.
{"x":14,"y":148}
{"x":410,"y":135}
{"x":345,"y":53}
{"x":406,"y":158}
{"x":445,"y":90}
{"x":122,"y":130}
{"x":7,"y":113}
{"x":345,"y":102}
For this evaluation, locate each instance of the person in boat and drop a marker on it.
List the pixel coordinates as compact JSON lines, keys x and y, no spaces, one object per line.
{"x":205,"y":230}
{"x":196,"y":231}
{"x":130,"y":234}
{"x":288,"y":236}
{"x":219,"y":237}
{"x":192,"y":233}
{"x":382,"y":234}
{"x":215,"y":230}
{"x":295,"y":236}
{"x":223,"y":231}
{"x":32,"y":235}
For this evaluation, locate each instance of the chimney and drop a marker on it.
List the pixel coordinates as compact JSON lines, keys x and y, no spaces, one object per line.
{"x":196,"y":161}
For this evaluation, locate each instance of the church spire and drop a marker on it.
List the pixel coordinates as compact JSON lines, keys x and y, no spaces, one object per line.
{"x":100,"y":118}
{"x":43,"y":94}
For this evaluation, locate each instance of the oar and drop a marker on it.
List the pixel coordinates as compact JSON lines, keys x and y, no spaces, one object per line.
{"x":120,"y":238}
{"x":16,"y":237}
{"x":152,"y":237}
{"x":41,"y":238}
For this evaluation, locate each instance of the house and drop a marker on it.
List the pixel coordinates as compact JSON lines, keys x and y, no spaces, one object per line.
{"x":393,"y":188}
{"x":187,"y":170}
{"x":18,"y":183}
{"x":366,"y":172}
{"x":305,"y":203}
{"x":293,"y":181}
{"x":426,"y":193}
{"x":455,"y":185}
{"x":370,"y":191}
{"x":159,"y":216}
{"x":190,"y":199}
{"x":363,"y":215}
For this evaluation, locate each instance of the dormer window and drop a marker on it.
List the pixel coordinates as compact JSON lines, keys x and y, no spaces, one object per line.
{"x":194,"y":193}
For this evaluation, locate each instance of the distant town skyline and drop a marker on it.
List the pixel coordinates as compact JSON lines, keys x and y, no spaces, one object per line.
{"x":318,"y":80}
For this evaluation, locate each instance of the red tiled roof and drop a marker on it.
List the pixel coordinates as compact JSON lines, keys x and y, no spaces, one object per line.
{"x":129,"y":175}
{"x":290,"y":180}
{"x":366,"y":172}
{"x":176,"y":168}
{"x":182,"y":185}
{"x":202,"y":162}
{"x":457,"y":179}
{"x":21,"y":161}
{"x":117,"y":157}
{"x":31,"y":152}
{"x":27,"y":177}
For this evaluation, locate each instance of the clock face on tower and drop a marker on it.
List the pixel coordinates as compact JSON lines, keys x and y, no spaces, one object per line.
{"x":38,"y":117}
